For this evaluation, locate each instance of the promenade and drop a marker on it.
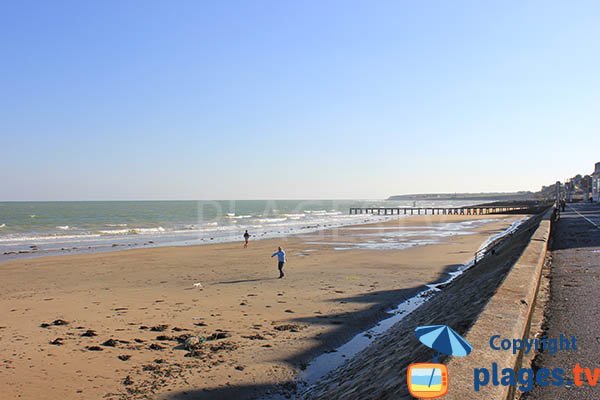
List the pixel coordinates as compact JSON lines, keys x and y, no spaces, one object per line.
{"x":574,"y":307}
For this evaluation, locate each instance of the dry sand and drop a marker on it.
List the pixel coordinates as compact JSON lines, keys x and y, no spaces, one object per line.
{"x":273,"y":327}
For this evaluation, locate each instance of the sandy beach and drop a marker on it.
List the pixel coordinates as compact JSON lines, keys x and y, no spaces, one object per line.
{"x":260,"y":330}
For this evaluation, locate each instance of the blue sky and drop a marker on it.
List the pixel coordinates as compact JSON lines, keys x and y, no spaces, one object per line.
{"x":304,"y":99}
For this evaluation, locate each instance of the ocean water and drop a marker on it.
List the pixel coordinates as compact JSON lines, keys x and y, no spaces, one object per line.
{"x":42,"y":228}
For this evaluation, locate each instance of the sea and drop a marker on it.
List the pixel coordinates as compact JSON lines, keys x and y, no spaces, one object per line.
{"x":29,"y":229}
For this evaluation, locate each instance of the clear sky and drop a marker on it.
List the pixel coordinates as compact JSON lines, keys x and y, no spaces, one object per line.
{"x":294,"y":99}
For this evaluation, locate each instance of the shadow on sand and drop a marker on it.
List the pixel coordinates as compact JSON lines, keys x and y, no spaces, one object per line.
{"x":245,"y":281}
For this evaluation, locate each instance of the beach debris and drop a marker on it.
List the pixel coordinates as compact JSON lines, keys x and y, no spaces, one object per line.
{"x":110,"y":343}
{"x":89,"y":333}
{"x":239,"y":367}
{"x":288,"y":327}
{"x":257,"y":336}
{"x":219,"y":335}
{"x":201,"y":324}
{"x":155,"y":346}
{"x":198,"y":285}
{"x":182,"y":338}
{"x":57,"y":342}
{"x":194,"y":342}
{"x":59,"y":322}
{"x":128,"y":381}
{"x":144,"y":327}
{"x":289,"y":311}
{"x":165,"y":337}
{"x":94,"y":348}
{"x":124,"y":357}
{"x":159,"y":328}
{"x":44,"y":325}
{"x":229,"y":346}
{"x":150,"y":367}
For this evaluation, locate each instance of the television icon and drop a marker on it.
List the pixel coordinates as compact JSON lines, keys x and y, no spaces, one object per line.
{"x":427,"y":380}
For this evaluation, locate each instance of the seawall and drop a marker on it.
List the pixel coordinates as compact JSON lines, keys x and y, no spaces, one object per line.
{"x":494,"y":297}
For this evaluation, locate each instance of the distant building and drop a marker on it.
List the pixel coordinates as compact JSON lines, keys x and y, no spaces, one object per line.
{"x":596,"y":183}
{"x":569,"y":189}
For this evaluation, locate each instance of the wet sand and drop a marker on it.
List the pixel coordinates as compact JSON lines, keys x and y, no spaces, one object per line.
{"x":260,"y":330}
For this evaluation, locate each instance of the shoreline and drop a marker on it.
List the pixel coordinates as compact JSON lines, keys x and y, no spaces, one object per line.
{"x":48,"y":228}
{"x":131,"y":241}
{"x":328,"y":296}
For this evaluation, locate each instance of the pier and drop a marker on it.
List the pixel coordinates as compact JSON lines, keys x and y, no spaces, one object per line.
{"x":471,"y":210}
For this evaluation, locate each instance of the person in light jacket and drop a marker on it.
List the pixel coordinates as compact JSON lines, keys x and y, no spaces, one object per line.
{"x":281,"y":258}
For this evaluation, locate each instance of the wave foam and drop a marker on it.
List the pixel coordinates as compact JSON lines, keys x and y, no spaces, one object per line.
{"x":133,"y":231}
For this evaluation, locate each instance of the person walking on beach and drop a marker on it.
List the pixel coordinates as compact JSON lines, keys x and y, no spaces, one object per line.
{"x":246,"y":238}
{"x":281,"y":258}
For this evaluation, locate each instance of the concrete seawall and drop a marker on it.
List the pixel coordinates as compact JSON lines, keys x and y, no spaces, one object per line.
{"x":493,"y":298}
{"x":507,"y":314}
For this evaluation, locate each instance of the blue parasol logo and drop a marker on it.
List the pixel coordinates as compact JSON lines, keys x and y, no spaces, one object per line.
{"x":431,"y":380}
{"x":444,"y":340}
